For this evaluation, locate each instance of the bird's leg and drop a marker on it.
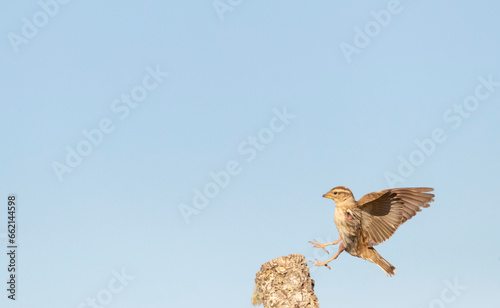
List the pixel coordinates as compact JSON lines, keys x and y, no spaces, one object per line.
{"x":341,"y":248}
{"x":318,"y":245}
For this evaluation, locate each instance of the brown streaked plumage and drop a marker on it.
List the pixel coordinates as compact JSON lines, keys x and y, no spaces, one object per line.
{"x":372,"y":220}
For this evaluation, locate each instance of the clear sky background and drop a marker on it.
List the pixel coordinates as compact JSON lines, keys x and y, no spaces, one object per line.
{"x":412,"y":99}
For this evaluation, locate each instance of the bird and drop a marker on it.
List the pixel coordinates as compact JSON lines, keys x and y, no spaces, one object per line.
{"x":371,"y":220}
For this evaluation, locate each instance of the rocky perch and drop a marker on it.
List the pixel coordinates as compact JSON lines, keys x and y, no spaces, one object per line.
{"x":285,"y":282}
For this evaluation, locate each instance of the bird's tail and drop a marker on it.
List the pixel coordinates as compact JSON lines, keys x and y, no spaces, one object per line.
{"x":381,"y":262}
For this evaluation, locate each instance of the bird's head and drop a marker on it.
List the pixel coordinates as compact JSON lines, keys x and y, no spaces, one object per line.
{"x":339,"y":194}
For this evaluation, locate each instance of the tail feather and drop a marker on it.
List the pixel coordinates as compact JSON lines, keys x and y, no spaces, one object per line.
{"x":376,"y":258}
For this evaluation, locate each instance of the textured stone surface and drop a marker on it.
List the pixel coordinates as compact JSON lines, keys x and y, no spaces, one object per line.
{"x":285,"y":283}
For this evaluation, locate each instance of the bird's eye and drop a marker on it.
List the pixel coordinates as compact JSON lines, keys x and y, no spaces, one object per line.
{"x":334,"y":192}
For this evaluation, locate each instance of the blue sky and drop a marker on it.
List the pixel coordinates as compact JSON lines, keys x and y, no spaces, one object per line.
{"x":115,"y":115}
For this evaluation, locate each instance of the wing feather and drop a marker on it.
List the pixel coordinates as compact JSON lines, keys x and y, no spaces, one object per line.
{"x":384,"y":211}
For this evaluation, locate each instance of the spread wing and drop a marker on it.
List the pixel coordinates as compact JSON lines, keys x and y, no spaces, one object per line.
{"x":384,"y":211}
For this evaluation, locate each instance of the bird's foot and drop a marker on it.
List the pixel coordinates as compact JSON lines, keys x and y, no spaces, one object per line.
{"x":317,"y":263}
{"x":318,"y":245}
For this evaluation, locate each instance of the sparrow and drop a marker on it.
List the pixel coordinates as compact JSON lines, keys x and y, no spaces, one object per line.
{"x":372,"y":220}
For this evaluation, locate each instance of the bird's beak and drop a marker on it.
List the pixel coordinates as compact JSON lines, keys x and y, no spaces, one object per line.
{"x":327,"y":195}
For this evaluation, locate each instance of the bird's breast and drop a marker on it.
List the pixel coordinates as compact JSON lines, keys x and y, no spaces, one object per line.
{"x":348,"y":222}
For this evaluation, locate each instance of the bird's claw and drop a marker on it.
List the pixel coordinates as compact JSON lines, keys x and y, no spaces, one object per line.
{"x":317,"y":263}
{"x":318,"y":245}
